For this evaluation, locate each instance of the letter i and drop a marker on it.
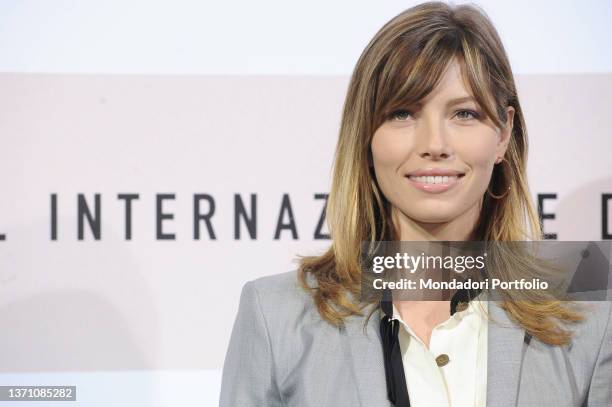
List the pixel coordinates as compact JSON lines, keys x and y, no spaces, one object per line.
{"x":53,"y":216}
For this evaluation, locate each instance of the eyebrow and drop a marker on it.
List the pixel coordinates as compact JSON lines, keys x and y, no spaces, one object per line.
{"x":456,"y":101}
{"x":452,"y":102}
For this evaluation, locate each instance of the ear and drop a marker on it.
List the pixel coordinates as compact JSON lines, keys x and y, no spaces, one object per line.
{"x":506,"y":132}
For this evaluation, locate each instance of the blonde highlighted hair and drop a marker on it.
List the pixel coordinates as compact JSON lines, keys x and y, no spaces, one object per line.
{"x":401,"y":65}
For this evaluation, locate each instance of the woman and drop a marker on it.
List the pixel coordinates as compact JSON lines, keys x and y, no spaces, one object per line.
{"x":432,"y":147}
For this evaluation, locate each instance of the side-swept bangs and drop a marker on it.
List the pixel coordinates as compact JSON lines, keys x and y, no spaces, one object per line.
{"x":415,"y":61}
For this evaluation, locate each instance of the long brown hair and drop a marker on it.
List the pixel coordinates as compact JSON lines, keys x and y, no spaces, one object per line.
{"x":401,"y":65}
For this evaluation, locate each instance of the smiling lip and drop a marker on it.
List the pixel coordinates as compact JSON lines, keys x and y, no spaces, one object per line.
{"x":434,"y":180}
{"x":434,"y":172}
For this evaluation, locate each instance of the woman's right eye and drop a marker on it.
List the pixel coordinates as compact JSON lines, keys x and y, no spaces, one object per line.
{"x":400,"y":115}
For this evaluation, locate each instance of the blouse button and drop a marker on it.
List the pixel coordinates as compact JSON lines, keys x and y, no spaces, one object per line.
{"x":442,"y":359}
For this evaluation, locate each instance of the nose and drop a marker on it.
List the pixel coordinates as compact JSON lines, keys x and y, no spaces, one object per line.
{"x":433,"y":144}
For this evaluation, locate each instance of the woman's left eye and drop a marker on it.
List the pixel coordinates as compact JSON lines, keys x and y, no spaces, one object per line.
{"x":467,"y":114}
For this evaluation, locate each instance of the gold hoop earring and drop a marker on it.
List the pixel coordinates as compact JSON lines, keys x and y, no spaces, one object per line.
{"x":499,"y":160}
{"x":498,"y":196}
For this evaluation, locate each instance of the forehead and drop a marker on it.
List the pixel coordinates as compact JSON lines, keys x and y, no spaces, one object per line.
{"x":452,"y":85}
{"x":437,"y":79}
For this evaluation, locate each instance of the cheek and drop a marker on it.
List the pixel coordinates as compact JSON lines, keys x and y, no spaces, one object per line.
{"x":389,"y":148}
{"x":477,"y":152}
{"x":479,"y":156}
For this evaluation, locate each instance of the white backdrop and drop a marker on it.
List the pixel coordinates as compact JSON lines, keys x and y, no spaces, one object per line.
{"x":170,"y":100}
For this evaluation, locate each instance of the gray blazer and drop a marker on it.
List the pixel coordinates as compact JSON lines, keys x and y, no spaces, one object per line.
{"x":282,"y":353}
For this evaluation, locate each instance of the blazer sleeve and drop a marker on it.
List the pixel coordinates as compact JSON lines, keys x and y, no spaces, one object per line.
{"x":600,"y":390}
{"x":248,"y":371}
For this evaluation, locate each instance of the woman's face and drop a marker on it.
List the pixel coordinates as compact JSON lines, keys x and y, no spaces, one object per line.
{"x":434,"y":160}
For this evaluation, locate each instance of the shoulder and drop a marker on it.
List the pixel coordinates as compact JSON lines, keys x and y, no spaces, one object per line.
{"x":288,"y":314}
{"x":595,"y":331}
{"x":284,"y":287}
{"x":266,"y":339}
{"x":592,"y":333}
{"x":276,"y":283}
{"x":591,"y":342}
{"x":597,"y":322}
{"x":280,"y":298}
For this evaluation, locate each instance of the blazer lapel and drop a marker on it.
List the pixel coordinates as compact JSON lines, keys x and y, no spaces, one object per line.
{"x":365,"y":353}
{"x":504,"y":358}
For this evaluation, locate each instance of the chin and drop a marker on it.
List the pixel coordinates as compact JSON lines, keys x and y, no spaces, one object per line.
{"x":434,"y":219}
{"x":430,"y":215}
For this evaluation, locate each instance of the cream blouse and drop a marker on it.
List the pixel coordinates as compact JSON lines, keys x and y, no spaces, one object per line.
{"x":453,"y":371}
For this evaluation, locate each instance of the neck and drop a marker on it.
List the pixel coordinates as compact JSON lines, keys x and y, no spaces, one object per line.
{"x":460,"y":228}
